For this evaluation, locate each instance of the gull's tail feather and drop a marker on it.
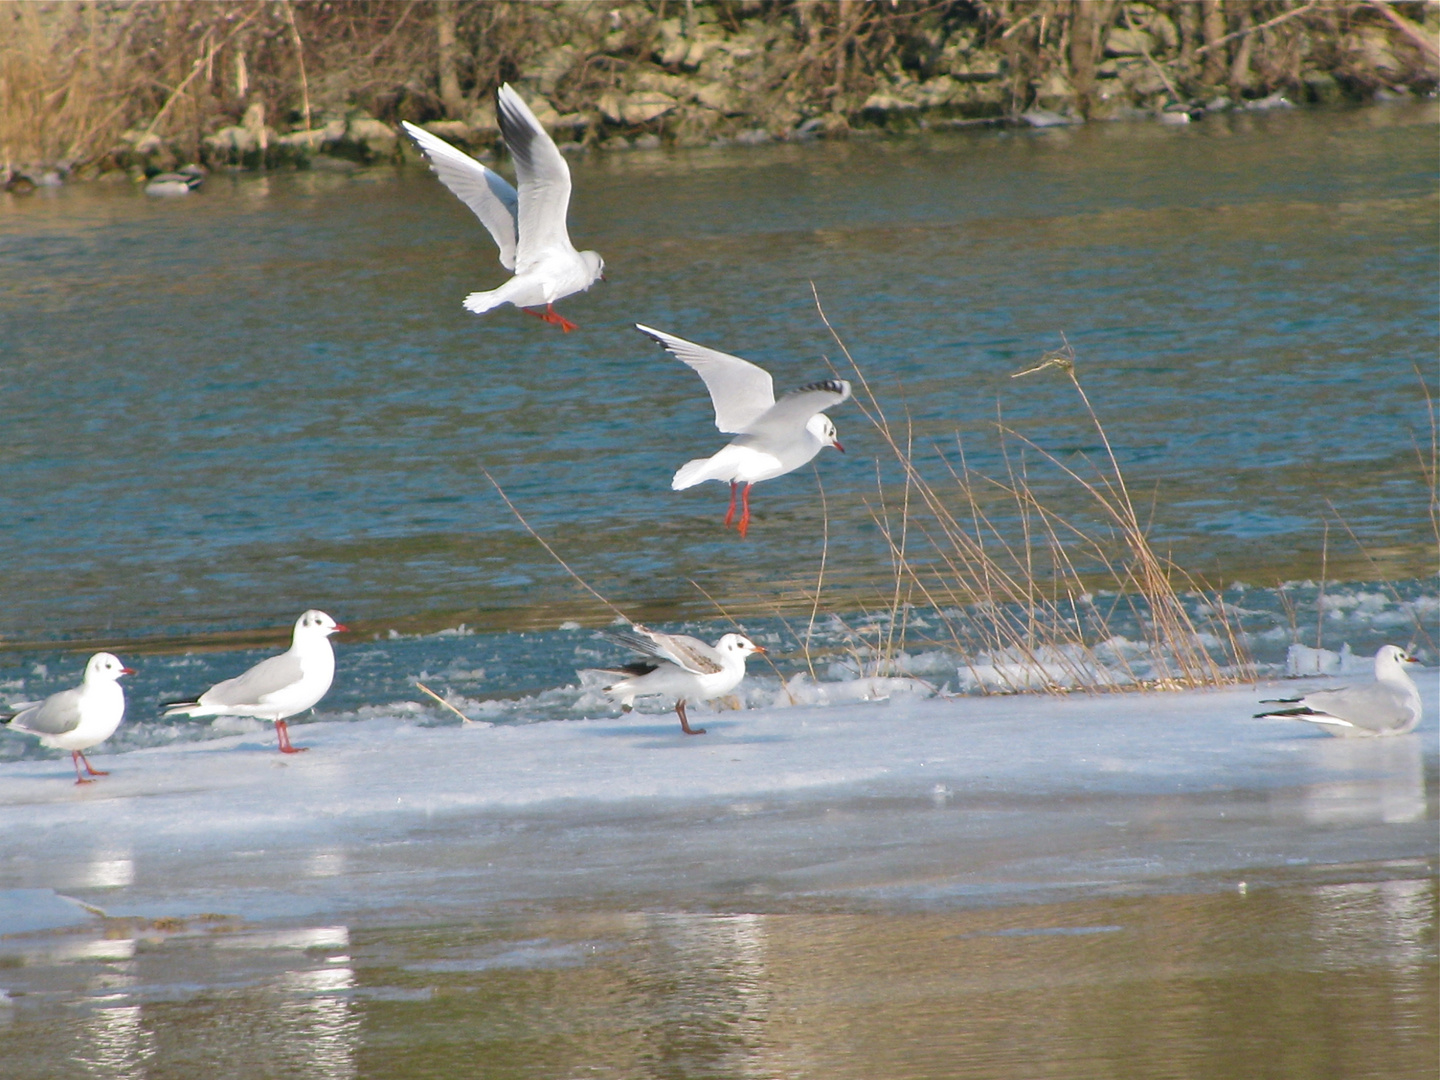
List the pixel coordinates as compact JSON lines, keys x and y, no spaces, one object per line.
{"x":481,"y":302}
{"x":692,"y":473}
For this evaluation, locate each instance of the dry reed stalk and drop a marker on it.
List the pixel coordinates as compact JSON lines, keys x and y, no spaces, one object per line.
{"x":1430,"y":469}
{"x":820,"y":574}
{"x":1026,"y":595}
{"x":550,"y":550}
{"x":1420,"y":628}
{"x":425,"y":689}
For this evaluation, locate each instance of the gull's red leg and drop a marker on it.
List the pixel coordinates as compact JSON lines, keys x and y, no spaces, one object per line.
{"x":283,"y":733}
{"x":91,"y":768}
{"x":75,"y":760}
{"x":554,"y":317}
{"x":685,"y":721}
{"x":730,"y":514}
{"x":745,"y":513}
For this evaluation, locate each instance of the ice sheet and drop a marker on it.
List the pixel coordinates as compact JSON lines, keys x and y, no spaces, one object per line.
{"x":907,"y":800}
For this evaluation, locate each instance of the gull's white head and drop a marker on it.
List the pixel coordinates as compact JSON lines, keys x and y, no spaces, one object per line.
{"x":316,"y":624}
{"x":1390,"y":660}
{"x":823,"y":428}
{"x":737,"y":645}
{"x":105,"y":667}
{"x":594,"y":264}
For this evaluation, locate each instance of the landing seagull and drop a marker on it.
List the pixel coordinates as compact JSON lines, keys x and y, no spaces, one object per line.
{"x":1388,"y":706}
{"x":775,"y":437}
{"x":78,"y":719}
{"x":278,"y":687}
{"x":687,"y":669}
{"x":528,"y":225}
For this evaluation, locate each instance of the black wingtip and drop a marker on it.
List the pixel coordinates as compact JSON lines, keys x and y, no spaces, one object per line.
{"x":833,"y":386}
{"x":177,"y":704}
{"x":638,"y":668}
{"x":1276,"y":713}
{"x":519,"y":136}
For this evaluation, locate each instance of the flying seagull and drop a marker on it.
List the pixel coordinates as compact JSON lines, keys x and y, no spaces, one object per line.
{"x":774,"y":437}
{"x":277,"y":687}
{"x":528,"y":225}
{"x":1388,"y":706}
{"x":77,"y":719}
{"x":681,"y":667}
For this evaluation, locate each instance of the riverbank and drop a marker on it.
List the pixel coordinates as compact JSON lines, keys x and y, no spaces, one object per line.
{"x":89,"y":90}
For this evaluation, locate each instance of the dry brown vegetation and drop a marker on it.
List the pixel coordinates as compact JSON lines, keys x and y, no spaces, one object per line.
{"x":95,"y":85}
{"x":1015,"y":587}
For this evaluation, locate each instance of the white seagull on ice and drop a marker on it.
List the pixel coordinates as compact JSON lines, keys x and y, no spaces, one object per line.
{"x":775,"y":437}
{"x":78,"y":719}
{"x":685,"y":668}
{"x":528,"y":225}
{"x":278,"y":687}
{"x":1388,"y":706}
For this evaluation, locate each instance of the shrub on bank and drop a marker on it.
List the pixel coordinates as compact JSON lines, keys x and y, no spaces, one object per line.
{"x":87,"y":88}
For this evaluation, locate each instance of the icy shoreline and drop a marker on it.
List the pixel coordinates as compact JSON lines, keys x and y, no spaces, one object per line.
{"x":986,"y":800}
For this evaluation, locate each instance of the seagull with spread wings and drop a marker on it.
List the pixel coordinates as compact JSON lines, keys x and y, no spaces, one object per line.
{"x":678,"y":666}
{"x":528,"y":224}
{"x":773,"y":437}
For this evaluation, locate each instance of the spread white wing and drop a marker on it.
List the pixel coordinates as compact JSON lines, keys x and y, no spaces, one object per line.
{"x":483,"y":190}
{"x":542,"y":178}
{"x":741,"y":392}
{"x":793,"y":410}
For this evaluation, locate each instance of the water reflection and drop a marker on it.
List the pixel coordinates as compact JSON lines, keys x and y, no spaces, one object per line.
{"x":320,"y":1018}
{"x":1333,"y":978}
{"x":115,"y":1044}
{"x":1385,"y":783}
{"x":1387,"y":922}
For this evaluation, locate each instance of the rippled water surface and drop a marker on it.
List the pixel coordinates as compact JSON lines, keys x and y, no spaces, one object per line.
{"x":1301,"y":979}
{"x":223,"y":409}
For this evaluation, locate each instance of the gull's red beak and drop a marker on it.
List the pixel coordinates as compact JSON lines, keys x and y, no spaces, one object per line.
{"x":837,"y":446}
{"x":341,"y":628}
{"x":759,"y":648}
{"x":127,"y":671}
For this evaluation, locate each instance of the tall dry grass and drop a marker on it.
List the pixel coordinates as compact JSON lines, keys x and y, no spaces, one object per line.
{"x":1014,"y":583}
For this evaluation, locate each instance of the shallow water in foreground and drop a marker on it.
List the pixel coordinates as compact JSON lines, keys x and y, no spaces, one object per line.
{"x":1311,"y":975}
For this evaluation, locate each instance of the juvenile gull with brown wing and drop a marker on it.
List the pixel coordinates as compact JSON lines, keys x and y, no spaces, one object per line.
{"x":684,"y":668}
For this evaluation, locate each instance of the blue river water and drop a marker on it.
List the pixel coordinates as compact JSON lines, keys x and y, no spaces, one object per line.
{"x":224,"y":409}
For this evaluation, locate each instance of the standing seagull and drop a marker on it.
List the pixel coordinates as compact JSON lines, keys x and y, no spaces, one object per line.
{"x":277,"y":687}
{"x":528,"y":226}
{"x":775,"y":437}
{"x":688,"y":669}
{"x":1388,"y":706}
{"x":77,"y":719}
